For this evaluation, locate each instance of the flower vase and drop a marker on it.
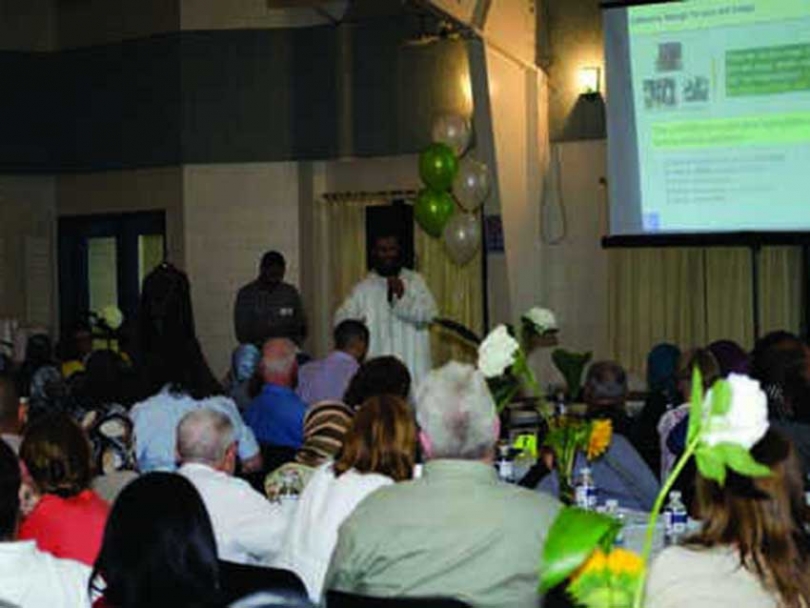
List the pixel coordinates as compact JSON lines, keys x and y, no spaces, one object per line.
{"x":566,"y":482}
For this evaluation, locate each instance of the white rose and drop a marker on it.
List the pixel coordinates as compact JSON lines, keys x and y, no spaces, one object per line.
{"x":542,"y":319}
{"x":497,"y":352}
{"x":112,"y":316}
{"x":746,"y":421}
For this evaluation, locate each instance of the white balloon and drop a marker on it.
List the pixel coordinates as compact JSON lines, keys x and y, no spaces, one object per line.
{"x":462,"y":237}
{"x":452,"y":130}
{"x":471,"y":185}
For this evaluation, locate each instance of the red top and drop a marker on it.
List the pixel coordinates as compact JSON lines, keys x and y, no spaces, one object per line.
{"x":68,"y":527}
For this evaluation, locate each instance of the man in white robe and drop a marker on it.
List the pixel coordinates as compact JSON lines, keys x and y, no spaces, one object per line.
{"x":396,"y":306}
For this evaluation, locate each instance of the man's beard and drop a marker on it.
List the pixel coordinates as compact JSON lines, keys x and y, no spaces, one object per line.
{"x":388,"y":270}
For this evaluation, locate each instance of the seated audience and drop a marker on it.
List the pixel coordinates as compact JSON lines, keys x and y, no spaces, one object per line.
{"x":30,"y":577}
{"x":774,"y":362}
{"x":74,"y":349}
{"x":100,"y":397}
{"x":68,"y":520}
{"x":753,"y":548}
{"x":11,"y":413}
{"x":378,"y":451}
{"x":159,"y":548}
{"x":175,"y":376}
{"x":731,"y":358}
{"x":384,"y":375}
{"x":325,"y":425}
{"x":244,"y":361}
{"x":276,"y":415}
{"x":327,"y":379}
{"x":662,"y":395}
{"x":620,"y":473}
{"x":457,"y":531}
{"x":605,"y":394}
{"x":40,"y":381}
{"x":706,"y":362}
{"x":248,"y":528}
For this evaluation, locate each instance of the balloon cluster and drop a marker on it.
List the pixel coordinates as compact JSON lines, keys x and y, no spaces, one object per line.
{"x":452,"y":180}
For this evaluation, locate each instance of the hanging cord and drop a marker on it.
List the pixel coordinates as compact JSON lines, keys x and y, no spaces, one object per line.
{"x":552,"y":203}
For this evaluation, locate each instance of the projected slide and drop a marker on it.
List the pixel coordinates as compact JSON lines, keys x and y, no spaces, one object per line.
{"x":721,"y":104}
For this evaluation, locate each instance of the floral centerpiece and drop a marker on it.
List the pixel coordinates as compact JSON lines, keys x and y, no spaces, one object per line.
{"x":723,"y":427}
{"x":566,"y":437}
{"x":503,"y":361}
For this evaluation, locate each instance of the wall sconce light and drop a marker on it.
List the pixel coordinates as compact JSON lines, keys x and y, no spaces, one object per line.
{"x":589,"y":81}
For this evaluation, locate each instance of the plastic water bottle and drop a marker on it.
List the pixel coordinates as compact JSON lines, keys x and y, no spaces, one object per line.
{"x":290,"y":489}
{"x":675,"y":518}
{"x":506,"y":468}
{"x":560,"y":409}
{"x":585,"y":491}
{"x":612,"y":509}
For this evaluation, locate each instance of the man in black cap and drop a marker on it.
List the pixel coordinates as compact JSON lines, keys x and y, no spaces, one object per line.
{"x":268,"y":307}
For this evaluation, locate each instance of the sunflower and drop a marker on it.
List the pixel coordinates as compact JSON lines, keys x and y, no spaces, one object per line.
{"x":599,"y":440}
{"x":607,"y":580}
{"x":622,"y":561}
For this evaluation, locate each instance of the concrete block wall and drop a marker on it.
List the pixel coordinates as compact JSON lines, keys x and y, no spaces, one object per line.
{"x":233,"y":214}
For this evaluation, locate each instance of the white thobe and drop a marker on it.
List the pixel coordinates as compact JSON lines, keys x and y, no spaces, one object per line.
{"x":400,"y":328}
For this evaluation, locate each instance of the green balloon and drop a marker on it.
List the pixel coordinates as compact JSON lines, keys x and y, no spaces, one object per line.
{"x":438,"y":166}
{"x":433,"y":210}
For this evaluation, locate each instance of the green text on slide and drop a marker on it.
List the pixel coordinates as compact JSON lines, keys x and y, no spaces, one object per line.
{"x":768,"y":70}
{"x":763,"y":130}
{"x":705,"y":14}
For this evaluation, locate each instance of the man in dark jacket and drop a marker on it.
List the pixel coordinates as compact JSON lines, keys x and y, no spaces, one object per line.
{"x":268,"y":307}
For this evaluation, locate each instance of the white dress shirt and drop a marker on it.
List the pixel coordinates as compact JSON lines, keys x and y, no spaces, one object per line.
{"x":31,"y":578}
{"x":248,"y":528}
{"x":312,"y":534}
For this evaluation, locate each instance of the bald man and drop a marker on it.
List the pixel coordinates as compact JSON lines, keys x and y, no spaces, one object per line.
{"x":248,"y":528}
{"x":276,"y":415}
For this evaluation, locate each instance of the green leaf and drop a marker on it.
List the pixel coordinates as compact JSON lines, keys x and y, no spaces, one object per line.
{"x":695,"y":405}
{"x":573,"y":536}
{"x":710,"y":464}
{"x":721,"y":398}
{"x":739,"y":459}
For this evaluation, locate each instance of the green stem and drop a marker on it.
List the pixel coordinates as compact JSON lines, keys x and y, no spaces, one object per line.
{"x":659,"y":502}
{"x":524,"y":371}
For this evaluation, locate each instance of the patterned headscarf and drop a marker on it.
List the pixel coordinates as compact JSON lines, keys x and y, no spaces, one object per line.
{"x":244,"y":360}
{"x":325,"y":426}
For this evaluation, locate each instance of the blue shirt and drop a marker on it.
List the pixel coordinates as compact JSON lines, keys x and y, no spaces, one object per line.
{"x":155,"y":427}
{"x":326,"y":379}
{"x":619,"y":473}
{"x":276,"y":416}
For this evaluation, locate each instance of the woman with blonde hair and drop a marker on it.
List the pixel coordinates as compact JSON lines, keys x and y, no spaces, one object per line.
{"x":752,"y":550}
{"x":378,"y":450}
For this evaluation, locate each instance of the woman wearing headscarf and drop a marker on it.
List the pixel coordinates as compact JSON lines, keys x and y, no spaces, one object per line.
{"x":325,"y":425}
{"x":662,"y":395}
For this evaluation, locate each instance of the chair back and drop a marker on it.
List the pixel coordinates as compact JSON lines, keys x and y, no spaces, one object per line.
{"x":240,"y":580}
{"x":340,"y":599}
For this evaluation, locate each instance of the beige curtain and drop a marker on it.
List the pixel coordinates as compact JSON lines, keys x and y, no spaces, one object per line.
{"x":692,"y":296}
{"x":459,"y":296}
{"x":780,"y":288}
{"x":729,"y":310}
{"x":458,"y":290}
{"x":654,"y":296}
{"x":346,"y":224}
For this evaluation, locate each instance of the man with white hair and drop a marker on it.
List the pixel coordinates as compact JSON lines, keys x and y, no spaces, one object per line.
{"x":457,"y":531}
{"x":247,"y":527}
{"x":276,"y":415}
